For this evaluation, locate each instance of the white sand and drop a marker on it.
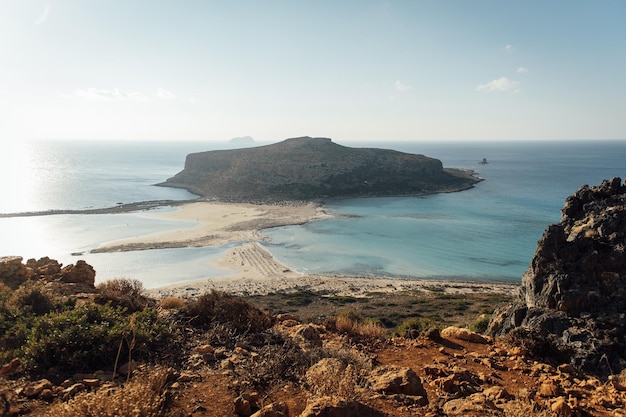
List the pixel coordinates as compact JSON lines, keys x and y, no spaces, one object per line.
{"x":219,"y":223}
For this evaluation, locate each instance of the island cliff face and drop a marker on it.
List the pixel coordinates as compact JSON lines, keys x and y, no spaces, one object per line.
{"x":313,"y":168}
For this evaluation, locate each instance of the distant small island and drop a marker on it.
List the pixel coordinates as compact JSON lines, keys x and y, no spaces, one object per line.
{"x":307,"y":168}
{"x":242,"y":141}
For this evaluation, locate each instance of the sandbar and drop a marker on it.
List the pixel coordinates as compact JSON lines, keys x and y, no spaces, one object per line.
{"x":215,"y":224}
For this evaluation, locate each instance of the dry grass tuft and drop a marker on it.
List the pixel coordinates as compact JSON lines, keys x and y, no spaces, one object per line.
{"x":519,"y":408}
{"x":144,"y":396}
{"x":350,"y":323}
{"x":331,"y":378}
{"x":171,"y":303}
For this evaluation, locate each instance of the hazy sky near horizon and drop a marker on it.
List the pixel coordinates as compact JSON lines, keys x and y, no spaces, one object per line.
{"x":348,"y":70}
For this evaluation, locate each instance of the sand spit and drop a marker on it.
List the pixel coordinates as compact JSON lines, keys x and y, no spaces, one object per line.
{"x":220,"y":223}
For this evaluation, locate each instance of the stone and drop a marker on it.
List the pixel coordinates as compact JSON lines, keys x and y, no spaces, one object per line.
{"x":204,"y":350}
{"x":273,"y":410}
{"x":497,"y":393}
{"x":462,"y":334}
{"x":81,"y":273}
{"x":309,"y":334}
{"x":561,"y":408}
{"x":11,"y":368}
{"x":36,"y":388}
{"x":474,"y":405}
{"x":396,"y":380}
{"x":549,"y":389}
{"x":72,"y":390}
{"x":334,"y":407}
{"x":243,"y":406}
{"x":127,"y":367}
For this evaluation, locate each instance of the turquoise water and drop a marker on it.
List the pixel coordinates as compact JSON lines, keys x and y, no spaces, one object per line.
{"x":485,"y":233}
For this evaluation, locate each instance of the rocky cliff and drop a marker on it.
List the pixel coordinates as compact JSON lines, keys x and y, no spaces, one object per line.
{"x":312,"y":168}
{"x":572,"y":304}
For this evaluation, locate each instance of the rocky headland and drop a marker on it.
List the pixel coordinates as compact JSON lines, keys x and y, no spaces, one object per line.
{"x":313,"y":168}
{"x":572,"y":303}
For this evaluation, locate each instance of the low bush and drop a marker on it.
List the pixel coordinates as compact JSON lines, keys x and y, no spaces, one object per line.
{"x":414,"y":327}
{"x":221,"y":307}
{"x":31,"y":298}
{"x":480,"y":324}
{"x":126,"y":293}
{"x":171,"y":303}
{"x":88,"y":337}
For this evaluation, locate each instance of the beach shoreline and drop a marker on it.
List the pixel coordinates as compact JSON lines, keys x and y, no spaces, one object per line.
{"x":256,"y":272}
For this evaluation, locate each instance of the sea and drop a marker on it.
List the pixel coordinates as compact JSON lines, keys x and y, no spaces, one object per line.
{"x":486,"y":233}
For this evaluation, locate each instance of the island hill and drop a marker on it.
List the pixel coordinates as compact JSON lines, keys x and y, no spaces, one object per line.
{"x":308,"y":168}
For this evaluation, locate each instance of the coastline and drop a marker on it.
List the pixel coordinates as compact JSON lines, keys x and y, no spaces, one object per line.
{"x":254,"y":269}
{"x":256,"y":272}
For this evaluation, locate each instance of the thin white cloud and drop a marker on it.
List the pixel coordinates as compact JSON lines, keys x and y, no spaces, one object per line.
{"x":92,"y":93}
{"x":508,"y":47}
{"x":521,"y":70}
{"x":402,"y":87}
{"x":500,"y":85}
{"x":165,"y":94}
{"x":44,"y":15}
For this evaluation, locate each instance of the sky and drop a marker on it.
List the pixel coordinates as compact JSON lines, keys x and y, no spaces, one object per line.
{"x":351,"y":70}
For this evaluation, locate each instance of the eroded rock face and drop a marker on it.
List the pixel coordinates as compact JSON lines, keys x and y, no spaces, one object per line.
{"x":573,"y":296}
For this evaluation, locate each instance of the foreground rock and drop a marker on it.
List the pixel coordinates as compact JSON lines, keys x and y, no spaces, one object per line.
{"x":573,"y":299}
{"x":312,"y":168}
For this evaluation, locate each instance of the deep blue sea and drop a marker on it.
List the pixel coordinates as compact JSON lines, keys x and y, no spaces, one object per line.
{"x":486,"y":233}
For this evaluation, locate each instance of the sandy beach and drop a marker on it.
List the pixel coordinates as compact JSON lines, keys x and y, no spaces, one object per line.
{"x":254,"y":270}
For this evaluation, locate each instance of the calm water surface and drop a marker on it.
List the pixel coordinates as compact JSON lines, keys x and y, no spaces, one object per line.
{"x":486,"y":233}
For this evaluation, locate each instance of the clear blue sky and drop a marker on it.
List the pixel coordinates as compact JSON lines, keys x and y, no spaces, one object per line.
{"x":349,"y":70}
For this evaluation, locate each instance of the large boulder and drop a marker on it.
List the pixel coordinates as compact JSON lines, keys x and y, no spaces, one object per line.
{"x":572,"y":302}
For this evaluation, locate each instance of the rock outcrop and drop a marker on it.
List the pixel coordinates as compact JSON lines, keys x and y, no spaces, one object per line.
{"x":71,"y":279}
{"x":313,"y":168}
{"x":572,"y":304}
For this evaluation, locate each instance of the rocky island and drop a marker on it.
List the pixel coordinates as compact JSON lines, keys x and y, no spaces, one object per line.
{"x":308,"y":168}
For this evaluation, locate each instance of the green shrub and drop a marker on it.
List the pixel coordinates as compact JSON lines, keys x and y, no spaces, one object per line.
{"x":31,"y":298}
{"x":480,"y":324}
{"x":414,"y":327}
{"x":88,"y":337}
{"x":299,"y":298}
